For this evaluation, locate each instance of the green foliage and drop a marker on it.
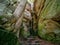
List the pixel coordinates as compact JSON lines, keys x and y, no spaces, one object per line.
{"x":24,"y":33}
{"x":4,"y":1}
{"x":7,"y":8}
{"x":7,"y":38}
{"x":49,"y":30}
{"x":50,"y":10}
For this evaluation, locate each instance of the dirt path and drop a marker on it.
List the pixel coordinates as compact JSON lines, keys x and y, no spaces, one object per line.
{"x":36,"y":41}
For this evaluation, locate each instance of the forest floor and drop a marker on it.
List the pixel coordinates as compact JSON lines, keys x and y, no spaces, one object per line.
{"x":35,"y":41}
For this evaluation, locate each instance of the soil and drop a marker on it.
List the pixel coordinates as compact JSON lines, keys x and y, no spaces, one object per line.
{"x":35,"y":41}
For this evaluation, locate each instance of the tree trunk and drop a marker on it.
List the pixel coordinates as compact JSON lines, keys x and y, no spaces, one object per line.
{"x":20,"y":8}
{"x":18,"y":15}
